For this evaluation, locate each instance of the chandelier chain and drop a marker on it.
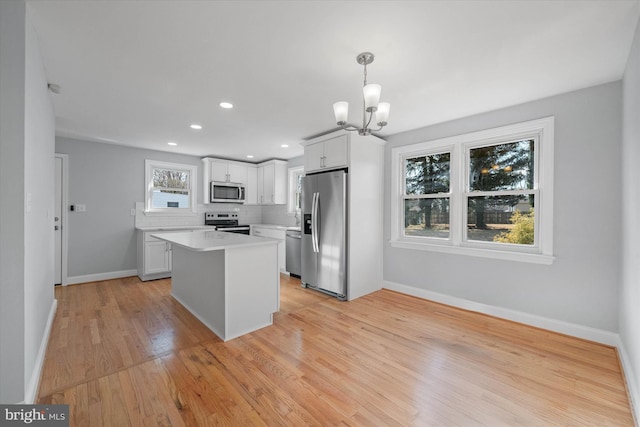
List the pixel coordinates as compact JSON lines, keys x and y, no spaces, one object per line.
{"x":365,"y":74}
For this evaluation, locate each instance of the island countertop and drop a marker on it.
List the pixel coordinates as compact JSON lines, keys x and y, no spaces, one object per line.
{"x":174,"y":227}
{"x":206,"y":240}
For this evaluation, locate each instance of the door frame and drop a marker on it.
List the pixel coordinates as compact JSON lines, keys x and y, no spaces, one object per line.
{"x":64,"y":217}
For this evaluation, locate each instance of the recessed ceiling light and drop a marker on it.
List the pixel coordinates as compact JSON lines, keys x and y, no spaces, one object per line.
{"x":172,"y":143}
{"x":226,"y":105}
{"x":195,"y":126}
{"x":285,"y":146}
{"x":249,"y":156}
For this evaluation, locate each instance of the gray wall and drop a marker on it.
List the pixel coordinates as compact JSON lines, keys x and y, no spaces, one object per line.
{"x":12,"y":195}
{"x":630,"y":290}
{"x":109,"y":179}
{"x":26,"y":191}
{"x":39,"y":189}
{"x":581,"y":286}
{"x":296,"y":161}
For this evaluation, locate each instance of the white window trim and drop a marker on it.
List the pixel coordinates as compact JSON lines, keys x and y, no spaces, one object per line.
{"x":293,"y":172}
{"x":543,"y":129}
{"x":149,"y":165}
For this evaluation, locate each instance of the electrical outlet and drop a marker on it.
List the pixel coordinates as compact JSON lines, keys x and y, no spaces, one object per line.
{"x":133,"y":212}
{"x":81,"y":208}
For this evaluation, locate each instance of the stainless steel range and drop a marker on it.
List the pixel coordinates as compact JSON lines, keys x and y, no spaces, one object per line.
{"x":225,"y":221}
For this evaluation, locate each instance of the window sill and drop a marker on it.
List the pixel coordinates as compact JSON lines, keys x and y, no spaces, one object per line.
{"x":483,"y":253}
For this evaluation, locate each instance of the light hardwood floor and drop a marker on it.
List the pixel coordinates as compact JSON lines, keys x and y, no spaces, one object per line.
{"x":124,"y":353}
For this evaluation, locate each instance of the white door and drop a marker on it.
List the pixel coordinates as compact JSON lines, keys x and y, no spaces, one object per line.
{"x":237,"y":173}
{"x":260,"y":180}
{"x":57,"y":222}
{"x":219,"y":171}
{"x":313,"y":157}
{"x":268,"y":184}
{"x":157,"y":257}
{"x":335,"y":152}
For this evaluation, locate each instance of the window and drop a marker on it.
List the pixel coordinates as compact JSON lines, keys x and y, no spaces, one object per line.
{"x":427,"y":194}
{"x":487,"y":193}
{"x":170,"y":188}
{"x":295,"y":188}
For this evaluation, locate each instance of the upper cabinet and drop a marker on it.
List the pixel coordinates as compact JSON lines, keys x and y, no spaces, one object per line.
{"x":331,"y":153}
{"x":265,"y":183}
{"x":252,"y":185}
{"x":272,"y":182}
{"x":228,"y":171}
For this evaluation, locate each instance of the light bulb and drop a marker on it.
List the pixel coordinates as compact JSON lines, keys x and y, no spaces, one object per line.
{"x":371,"y":96}
{"x":341,"y":111}
{"x":382,"y":113}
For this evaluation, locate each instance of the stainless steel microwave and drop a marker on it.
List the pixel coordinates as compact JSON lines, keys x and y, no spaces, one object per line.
{"x":226,"y":192}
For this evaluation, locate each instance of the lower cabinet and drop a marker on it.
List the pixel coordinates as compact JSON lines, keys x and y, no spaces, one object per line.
{"x":278,"y":234}
{"x":154,"y":257}
{"x":157,"y":257}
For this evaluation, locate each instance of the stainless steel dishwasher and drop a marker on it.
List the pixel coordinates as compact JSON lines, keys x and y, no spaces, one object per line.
{"x":294,"y":253}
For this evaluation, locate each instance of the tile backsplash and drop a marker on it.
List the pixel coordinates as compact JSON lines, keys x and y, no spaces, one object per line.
{"x":248,"y":214}
{"x":277,"y":214}
{"x":144,"y":220}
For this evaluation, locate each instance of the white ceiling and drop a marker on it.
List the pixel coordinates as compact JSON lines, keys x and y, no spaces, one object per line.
{"x":139,"y":73}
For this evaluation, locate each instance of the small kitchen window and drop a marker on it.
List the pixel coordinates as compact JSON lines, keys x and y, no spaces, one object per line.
{"x":295,"y":188}
{"x":170,"y":188}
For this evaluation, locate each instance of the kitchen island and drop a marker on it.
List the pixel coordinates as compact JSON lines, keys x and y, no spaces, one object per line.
{"x":229,"y":281}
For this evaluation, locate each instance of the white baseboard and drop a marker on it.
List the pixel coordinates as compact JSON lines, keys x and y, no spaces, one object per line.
{"x":34,"y":382}
{"x":100,"y":276}
{"x":580,"y":331}
{"x":629,"y":375}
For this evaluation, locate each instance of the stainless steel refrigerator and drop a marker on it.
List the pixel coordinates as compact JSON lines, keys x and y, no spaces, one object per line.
{"x":324,"y":232}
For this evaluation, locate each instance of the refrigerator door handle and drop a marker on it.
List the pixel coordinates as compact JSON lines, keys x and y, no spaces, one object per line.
{"x":314,"y":222}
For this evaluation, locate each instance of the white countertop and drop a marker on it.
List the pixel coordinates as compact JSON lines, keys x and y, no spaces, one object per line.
{"x":277,"y":227}
{"x":208,"y":240}
{"x":172,"y":227}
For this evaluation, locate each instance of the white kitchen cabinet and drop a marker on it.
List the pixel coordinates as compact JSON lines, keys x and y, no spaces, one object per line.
{"x":218,"y":170}
{"x":327,"y":154}
{"x":154,"y":257}
{"x":251,"y":190}
{"x":265,"y":184}
{"x":157,"y":257}
{"x":227,"y":171}
{"x":272,"y":182}
{"x":274,"y":232}
{"x":363,"y":156}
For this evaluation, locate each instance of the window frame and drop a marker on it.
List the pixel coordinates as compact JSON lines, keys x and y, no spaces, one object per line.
{"x":542,"y":131}
{"x":449,"y":195}
{"x":294,"y":173}
{"x":150,"y":165}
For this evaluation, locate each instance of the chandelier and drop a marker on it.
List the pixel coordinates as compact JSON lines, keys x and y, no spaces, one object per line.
{"x":371,"y":104}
